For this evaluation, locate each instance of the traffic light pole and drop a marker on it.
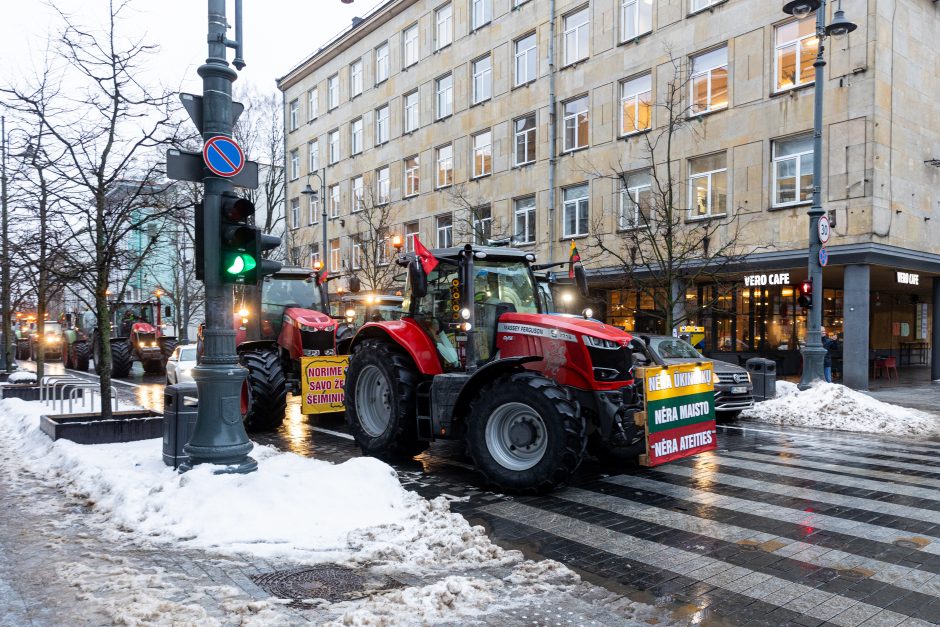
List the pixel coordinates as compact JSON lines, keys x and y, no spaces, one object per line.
{"x":219,"y":436}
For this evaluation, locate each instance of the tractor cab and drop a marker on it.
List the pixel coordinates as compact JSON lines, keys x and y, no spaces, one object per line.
{"x":260,"y":311}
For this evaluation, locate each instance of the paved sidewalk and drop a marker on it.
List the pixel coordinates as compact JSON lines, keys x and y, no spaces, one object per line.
{"x":922,"y":395}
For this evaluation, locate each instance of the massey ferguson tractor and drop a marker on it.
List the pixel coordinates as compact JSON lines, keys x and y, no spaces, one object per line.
{"x":476,"y":357}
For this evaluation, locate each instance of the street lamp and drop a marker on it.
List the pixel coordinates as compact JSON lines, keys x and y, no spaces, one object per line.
{"x":313,"y":195}
{"x":813,"y":351}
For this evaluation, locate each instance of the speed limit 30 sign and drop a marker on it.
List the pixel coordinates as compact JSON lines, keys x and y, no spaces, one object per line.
{"x":824,"y":229}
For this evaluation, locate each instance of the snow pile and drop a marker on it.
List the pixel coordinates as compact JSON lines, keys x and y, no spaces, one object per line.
{"x":22,"y":376}
{"x":833,"y":406}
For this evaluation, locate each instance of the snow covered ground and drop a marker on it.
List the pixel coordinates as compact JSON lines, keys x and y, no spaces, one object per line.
{"x":833,"y":406}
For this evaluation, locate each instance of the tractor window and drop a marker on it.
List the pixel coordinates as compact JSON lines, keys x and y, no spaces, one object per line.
{"x":299,"y":292}
{"x":439,"y":311}
{"x":496,"y":285}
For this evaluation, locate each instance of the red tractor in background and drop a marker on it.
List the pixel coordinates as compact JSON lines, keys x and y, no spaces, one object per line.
{"x":477,"y":357}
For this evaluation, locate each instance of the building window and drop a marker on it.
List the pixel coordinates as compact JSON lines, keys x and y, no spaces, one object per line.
{"x":445,"y":96}
{"x":636,"y":18}
{"x":482,"y":79}
{"x":795,"y":51}
{"x":292,"y":113}
{"x":636,"y":200}
{"x":411,"y":233}
{"x":445,"y":231}
{"x":709,"y":81}
{"x":410,"y":46}
{"x":355,"y":136}
{"x":314,"y":254}
{"x":482,"y":154}
{"x":577,"y":34}
{"x":444,"y":34}
{"x":524,"y":223}
{"x":793,"y":170}
{"x":356,"y":253}
{"x":412,"y":176}
{"x":636,"y":104}
{"x":576,"y":211}
{"x":698,"y":5}
{"x":334,"y":201}
{"x":445,"y":165}
{"x":482,"y":224}
{"x":313,"y":103}
{"x":381,"y":125}
{"x":381,"y":63}
{"x":294,"y":164}
{"x":295,"y":212}
{"x":355,"y":78}
{"x":412,"y":120}
{"x":576,"y":123}
{"x":481,"y":12}
{"x":358,"y":194}
{"x":335,"y":257}
{"x":332,"y":92}
{"x":314,"y":208}
{"x":333,"y":140}
{"x":708,"y":186}
{"x":526,"y":60}
{"x":313,"y":159}
{"x":383,"y":186}
{"x":524,"y":131}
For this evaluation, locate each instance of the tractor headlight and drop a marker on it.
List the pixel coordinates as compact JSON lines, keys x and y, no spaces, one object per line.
{"x":350,"y":313}
{"x":598,"y":342}
{"x":465,"y":313}
{"x":588,"y":312}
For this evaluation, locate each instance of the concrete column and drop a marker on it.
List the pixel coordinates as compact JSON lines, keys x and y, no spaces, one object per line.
{"x":935,"y":332}
{"x":856,"y":314}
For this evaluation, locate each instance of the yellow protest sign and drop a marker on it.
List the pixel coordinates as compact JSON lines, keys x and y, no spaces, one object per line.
{"x":322,"y":384}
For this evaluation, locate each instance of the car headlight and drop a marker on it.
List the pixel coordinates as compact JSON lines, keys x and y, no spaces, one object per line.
{"x":187,"y":372}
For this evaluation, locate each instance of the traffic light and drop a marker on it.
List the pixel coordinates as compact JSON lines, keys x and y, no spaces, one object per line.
{"x":243,"y":244}
{"x":806,"y":295}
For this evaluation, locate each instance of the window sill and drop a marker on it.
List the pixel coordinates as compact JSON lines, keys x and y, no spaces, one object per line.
{"x":704,"y":114}
{"x":384,"y":80}
{"x":527,"y":164}
{"x":477,"y":29}
{"x":445,"y":118}
{"x":294,"y":130}
{"x":524,"y":85}
{"x":441,"y":48}
{"x":519,"y":5}
{"x":311,"y":121}
{"x":710,"y":8}
{"x":791,"y":205}
{"x":411,"y":196}
{"x":792,"y":91}
{"x":572,"y":151}
{"x":481,"y":176}
{"x":705,"y":218}
{"x":441,"y":187}
{"x":410,"y":132}
{"x":636,"y":38}
{"x":480,"y":102}
{"x":566,"y":238}
{"x":574,"y":64}
{"x":634,"y":134}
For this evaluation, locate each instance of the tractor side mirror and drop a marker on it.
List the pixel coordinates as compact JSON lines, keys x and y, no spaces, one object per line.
{"x":417,"y":279}
{"x":354,"y":284}
{"x":581,"y":279}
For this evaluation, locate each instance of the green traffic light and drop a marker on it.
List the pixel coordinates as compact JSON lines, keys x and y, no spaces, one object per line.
{"x":241,"y":264}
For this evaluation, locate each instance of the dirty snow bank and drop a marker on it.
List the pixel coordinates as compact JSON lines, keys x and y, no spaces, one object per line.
{"x":22,"y":376}
{"x":833,"y":406}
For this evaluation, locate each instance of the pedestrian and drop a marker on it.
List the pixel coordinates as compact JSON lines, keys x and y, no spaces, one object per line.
{"x":830,"y":345}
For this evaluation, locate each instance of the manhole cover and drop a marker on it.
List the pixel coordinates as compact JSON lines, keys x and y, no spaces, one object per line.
{"x":333,"y":583}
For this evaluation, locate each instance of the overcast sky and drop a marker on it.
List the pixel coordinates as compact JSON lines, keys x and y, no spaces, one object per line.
{"x":278,"y":34}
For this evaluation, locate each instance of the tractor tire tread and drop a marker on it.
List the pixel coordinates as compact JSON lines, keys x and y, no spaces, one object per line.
{"x":267,"y":388}
{"x":122,"y":359}
{"x":79,"y":355}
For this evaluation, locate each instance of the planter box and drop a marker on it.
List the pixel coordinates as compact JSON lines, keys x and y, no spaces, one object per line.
{"x":30,"y":392}
{"x":125,"y":426}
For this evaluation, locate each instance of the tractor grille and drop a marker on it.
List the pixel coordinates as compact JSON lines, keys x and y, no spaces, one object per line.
{"x":317,"y":343}
{"x":611,"y":364}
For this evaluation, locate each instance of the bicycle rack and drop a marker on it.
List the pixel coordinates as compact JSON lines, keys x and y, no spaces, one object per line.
{"x":49,"y":383}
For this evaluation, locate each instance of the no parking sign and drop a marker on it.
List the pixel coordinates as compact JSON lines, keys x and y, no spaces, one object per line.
{"x":223,"y":156}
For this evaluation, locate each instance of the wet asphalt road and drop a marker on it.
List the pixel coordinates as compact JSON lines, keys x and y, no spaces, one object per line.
{"x":778,"y":527}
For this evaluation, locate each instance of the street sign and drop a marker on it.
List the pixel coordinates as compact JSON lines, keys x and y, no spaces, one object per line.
{"x":223,"y":156}
{"x":824,"y":229}
{"x":823,"y":257}
{"x":323,"y":384}
{"x":182,"y":165}
{"x":193,"y":105}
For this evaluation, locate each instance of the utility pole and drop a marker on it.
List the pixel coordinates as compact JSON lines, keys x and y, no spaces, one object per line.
{"x":6,"y":359}
{"x":219,"y":436}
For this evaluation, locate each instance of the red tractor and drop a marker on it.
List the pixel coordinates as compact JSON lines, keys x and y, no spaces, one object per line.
{"x":477,"y":357}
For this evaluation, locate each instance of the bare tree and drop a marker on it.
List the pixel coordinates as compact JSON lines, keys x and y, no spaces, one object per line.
{"x":372,"y":254}
{"x":473,"y":217}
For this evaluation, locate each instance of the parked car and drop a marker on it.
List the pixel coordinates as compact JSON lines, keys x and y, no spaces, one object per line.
{"x":179,"y":367}
{"x":734,"y":391}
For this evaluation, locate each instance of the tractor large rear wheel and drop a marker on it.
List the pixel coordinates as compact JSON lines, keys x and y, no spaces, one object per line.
{"x":267,"y":389}
{"x":525,"y":434}
{"x":381,"y":406}
{"x":79,"y":355}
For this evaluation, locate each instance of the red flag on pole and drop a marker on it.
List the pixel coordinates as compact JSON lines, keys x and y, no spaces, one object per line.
{"x":573,"y":259}
{"x":428,"y":261}
{"x":321,"y":279}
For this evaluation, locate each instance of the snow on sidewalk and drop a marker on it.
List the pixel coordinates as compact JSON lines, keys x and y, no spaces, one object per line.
{"x":833,"y":406}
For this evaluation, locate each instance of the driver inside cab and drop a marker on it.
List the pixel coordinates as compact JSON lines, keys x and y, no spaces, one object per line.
{"x":443,"y":343}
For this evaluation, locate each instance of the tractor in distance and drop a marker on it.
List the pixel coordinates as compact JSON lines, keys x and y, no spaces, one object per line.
{"x":25,"y":325}
{"x":354,"y":310}
{"x":477,"y":357}
{"x":50,"y":343}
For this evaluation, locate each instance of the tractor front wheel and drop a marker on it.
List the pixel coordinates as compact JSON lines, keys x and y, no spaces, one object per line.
{"x":525,"y":434}
{"x":381,"y":406}
{"x":79,"y":355}
{"x":267,"y":390}
{"x":167,"y":346}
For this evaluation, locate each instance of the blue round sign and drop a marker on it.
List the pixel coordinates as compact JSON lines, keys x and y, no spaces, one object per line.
{"x":223,"y":156}
{"x":823,"y":257}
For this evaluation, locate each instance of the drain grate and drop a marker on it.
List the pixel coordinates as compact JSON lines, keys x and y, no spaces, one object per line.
{"x":333,"y":583}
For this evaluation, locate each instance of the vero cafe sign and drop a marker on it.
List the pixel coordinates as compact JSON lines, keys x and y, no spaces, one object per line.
{"x":680,"y":411}
{"x":761,"y":280}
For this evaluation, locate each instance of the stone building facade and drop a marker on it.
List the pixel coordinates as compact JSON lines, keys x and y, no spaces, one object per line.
{"x":517,"y":117}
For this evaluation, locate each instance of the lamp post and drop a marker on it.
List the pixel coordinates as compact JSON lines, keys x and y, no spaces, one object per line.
{"x":313,"y":195}
{"x":813,"y":351}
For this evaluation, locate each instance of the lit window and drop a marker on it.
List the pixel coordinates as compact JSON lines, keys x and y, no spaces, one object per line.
{"x":412,"y":176}
{"x":358,"y":194}
{"x":334,"y":201}
{"x":524,"y":229}
{"x":577,"y":34}
{"x":294,"y":164}
{"x":636,"y":196}
{"x":795,"y":51}
{"x":445,"y":96}
{"x":482,"y":154}
{"x":635,"y":104}
{"x":381,"y":63}
{"x":383,"y":187}
{"x":576,"y":123}
{"x":313,"y":160}
{"x":526,"y":60}
{"x":482,"y":79}
{"x":708,"y":186}
{"x":381,"y":124}
{"x":332,"y":92}
{"x":410,"y":46}
{"x":576,"y":211}
{"x":333,"y":140}
{"x":524,"y":131}
{"x":481,"y":12}
{"x":355,"y":136}
{"x":412,"y":120}
{"x":313,"y":103}
{"x":482,"y":224}
{"x":411,"y":233}
{"x":709,"y":81}
{"x":445,"y":231}
{"x":292,"y":113}
{"x":445,"y":165}
{"x":445,"y":26}
{"x":793,"y":170}
{"x":294,"y":212}
{"x":636,"y":18}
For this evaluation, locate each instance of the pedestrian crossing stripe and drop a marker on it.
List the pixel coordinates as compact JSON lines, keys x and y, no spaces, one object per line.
{"x":901,"y":465}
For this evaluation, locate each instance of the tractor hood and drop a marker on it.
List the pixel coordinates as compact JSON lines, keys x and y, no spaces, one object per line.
{"x":308,"y":319}
{"x":561,"y":323}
